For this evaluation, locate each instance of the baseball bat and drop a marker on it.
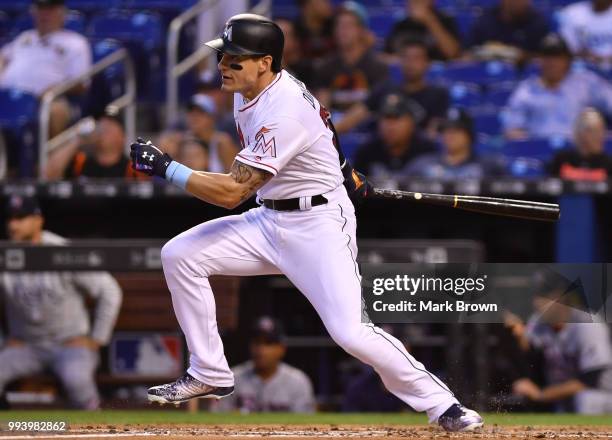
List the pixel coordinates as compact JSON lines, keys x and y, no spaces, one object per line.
{"x":486,"y":205}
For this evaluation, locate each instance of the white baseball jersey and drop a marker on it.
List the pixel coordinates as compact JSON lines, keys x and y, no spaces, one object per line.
{"x":584,"y":29}
{"x":35,"y":63}
{"x":283,"y":131}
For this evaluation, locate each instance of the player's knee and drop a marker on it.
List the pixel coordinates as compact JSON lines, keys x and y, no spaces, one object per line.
{"x":349,"y":339}
{"x":172,"y":253}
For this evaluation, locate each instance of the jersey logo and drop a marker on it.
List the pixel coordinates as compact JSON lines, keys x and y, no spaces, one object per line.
{"x":263,"y":146}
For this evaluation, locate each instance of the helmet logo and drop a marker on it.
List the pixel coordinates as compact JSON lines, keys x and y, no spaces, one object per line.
{"x":227,"y":33}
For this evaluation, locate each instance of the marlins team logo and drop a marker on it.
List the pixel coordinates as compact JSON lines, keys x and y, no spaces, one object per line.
{"x":227,"y":33}
{"x":263,"y":146}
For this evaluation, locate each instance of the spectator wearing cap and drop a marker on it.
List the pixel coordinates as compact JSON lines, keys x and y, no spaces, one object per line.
{"x":97,"y":151}
{"x":425,"y":22}
{"x":457,"y":160}
{"x":587,"y":28}
{"x":434,"y":100}
{"x":547,"y":105}
{"x":588,"y":159}
{"x":346,"y":78}
{"x":48,"y":55}
{"x":265,"y":383}
{"x":201,"y":125}
{"x":511,"y":29}
{"x":398,"y":141}
{"x":314,"y":28}
{"x":293,"y":60}
{"x":47,"y":319}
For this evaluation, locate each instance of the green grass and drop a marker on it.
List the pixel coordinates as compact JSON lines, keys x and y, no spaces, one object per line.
{"x":114,"y":417}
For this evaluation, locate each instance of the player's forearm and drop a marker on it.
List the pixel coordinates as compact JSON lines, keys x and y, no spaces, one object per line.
{"x":561,"y":391}
{"x":217,"y":189}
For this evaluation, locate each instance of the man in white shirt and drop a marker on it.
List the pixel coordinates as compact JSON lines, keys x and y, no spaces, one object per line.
{"x":40,"y":58}
{"x":304,"y":229}
{"x":587,"y":28}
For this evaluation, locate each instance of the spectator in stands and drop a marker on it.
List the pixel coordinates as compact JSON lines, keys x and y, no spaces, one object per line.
{"x":457,"y":160}
{"x":47,"y":318}
{"x":434,"y":100}
{"x":512,"y":29}
{"x":347,"y":77}
{"x":201,"y":125}
{"x":587,"y":28}
{"x":588,"y":160}
{"x":265,"y":383}
{"x":424,"y":21}
{"x":194,"y":154}
{"x":548,"y":105}
{"x":293,"y":60}
{"x":575,"y":346}
{"x":314,"y":28}
{"x":98,"y":151}
{"x":44,"y":57}
{"x":398,"y":141}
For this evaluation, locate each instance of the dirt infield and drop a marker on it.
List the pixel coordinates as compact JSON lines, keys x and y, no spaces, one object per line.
{"x":313,"y":432}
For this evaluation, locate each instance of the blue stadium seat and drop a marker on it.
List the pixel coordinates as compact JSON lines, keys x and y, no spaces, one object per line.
{"x":14,"y":6}
{"x":465,"y":95}
{"x":382,"y":22}
{"x":608,"y":146}
{"x":174,"y":6}
{"x":108,"y":85}
{"x":483,"y":73}
{"x":498,"y":97}
{"x":90,"y":6}
{"x":351,"y":141}
{"x":487,"y":123}
{"x":5,"y":24}
{"x":18,"y":116}
{"x":75,"y":21}
{"x":465,"y":19}
{"x":142,"y":33}
{"x":542,"y":149}
{"x":527,"y":167}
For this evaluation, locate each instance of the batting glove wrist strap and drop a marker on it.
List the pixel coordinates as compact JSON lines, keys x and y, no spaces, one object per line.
{"x":178,"y":174}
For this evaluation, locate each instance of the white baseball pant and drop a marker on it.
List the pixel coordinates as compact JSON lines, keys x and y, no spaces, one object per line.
{"x":316,"y":249}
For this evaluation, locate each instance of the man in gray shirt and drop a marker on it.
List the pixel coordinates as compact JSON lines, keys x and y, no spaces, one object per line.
{"x":265,"y":383}
{"x":46,"y":315}
{"x":576,"y":348}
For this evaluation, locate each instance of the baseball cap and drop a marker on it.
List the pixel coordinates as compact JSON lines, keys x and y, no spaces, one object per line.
{"x":357,"y":10}
{"x":203,"y":103}
{"x":48,"y":2}
{"x":268,"y":330}
{"x":396,"y":104}
{"x":22,"y":206}
{"x":553,"y":44}
{"x":458,"y":118}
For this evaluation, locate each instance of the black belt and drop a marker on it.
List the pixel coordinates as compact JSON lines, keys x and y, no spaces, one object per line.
{"x":294,"y":204}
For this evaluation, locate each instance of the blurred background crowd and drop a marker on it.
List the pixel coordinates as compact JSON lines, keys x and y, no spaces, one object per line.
{"x":442,"y":90}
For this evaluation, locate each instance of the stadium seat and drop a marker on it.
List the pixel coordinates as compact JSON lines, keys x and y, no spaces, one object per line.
{"x":18,"y":116}
{"x":75,"y":21}
{"x":142,"y":33}
{"x":381,"y":23}
{"x":498,"y":97}
{"x":487,"y":123}
{"x":483,"y":73}
{"x":542,"y":149}
{"x":90,"y":6}
{"x":108,"y":85}
{"x":527,"y":167}
{"x":5,"y":24}
{"x":14,"y":6}
{"x":465,"y":95}
{"x":174,"y":6}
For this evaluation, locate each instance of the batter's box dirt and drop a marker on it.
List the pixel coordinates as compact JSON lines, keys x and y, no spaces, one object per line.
{"x":311,"y":432}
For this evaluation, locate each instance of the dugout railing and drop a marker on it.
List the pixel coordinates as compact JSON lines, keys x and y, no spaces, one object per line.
{"x":177,"y":69}
{"x":125,"y":103}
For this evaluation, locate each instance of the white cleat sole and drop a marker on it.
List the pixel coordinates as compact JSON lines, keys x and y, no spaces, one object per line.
{"x":472,"y":427}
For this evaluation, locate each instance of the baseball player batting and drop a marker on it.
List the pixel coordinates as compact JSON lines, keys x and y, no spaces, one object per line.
{"x":304,"y":228}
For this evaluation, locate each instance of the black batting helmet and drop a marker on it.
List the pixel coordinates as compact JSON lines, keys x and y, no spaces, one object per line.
{"x":250,"y":34}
